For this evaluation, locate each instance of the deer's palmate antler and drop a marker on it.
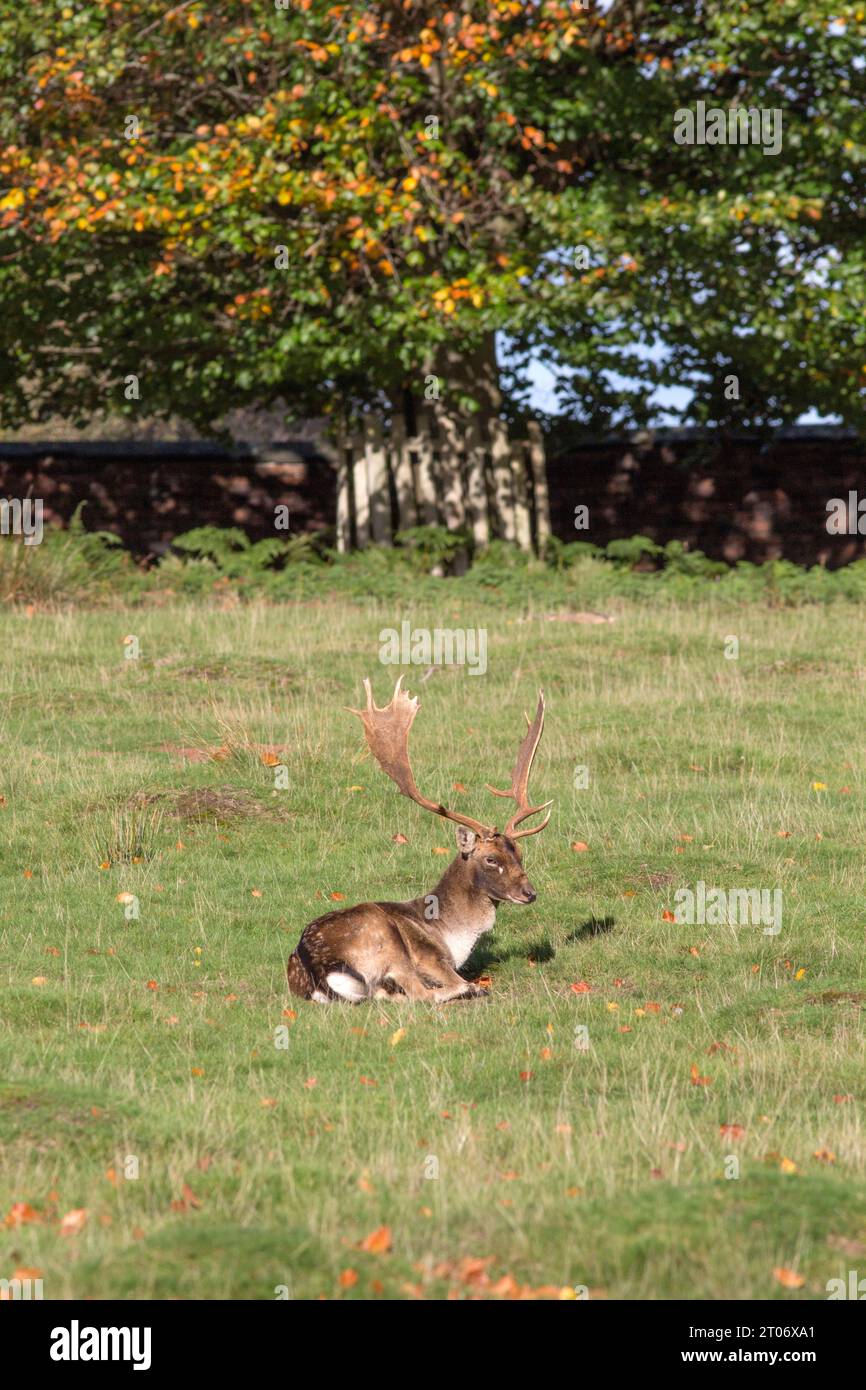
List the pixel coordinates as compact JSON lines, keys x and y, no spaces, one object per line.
{"x":416,"y":948}
{"x":387,"y":733}
{"x":519,"y":790}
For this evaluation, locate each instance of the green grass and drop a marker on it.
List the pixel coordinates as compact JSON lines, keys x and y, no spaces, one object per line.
{"x":604,"y":1168}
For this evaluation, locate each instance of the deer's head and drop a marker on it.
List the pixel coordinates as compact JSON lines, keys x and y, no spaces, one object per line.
{"x":492,"y":857}
{"x":494,"y":866}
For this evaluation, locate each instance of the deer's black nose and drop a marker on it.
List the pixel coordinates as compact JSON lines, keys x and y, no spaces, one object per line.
{"x":530,"y":895}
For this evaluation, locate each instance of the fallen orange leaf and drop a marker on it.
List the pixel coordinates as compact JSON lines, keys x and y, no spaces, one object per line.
{"x":378,"y":1242}
{"x":21,"y":1214}
{"x":73,"y":1222}
{"x":187,"y":1201}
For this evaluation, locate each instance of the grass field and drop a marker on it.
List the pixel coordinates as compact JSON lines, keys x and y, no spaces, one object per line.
{"x":151,"y":1044}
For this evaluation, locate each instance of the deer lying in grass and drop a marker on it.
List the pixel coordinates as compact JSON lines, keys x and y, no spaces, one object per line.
{"x":416,"y":948}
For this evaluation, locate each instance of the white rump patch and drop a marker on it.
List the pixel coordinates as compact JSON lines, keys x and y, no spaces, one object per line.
{"x":347,"y":986}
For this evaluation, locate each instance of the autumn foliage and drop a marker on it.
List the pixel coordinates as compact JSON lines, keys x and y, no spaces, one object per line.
{"x":308,"y":200}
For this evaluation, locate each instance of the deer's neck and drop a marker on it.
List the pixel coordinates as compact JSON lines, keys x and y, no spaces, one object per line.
{"x":464,"y":911}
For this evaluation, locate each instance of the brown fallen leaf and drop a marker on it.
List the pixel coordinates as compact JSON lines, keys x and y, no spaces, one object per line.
{"x":731,"y":1131}
{"x":187,"y":1201}
{"x":590,"y":618}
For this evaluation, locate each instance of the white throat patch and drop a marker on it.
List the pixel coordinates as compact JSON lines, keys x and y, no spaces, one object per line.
{"x":461,"y":937}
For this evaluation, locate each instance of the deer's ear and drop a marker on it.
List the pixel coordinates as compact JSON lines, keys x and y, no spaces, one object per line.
{"x":465,"y":840}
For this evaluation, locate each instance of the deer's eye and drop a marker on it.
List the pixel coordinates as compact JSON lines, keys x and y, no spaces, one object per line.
{"x":493,"y":862}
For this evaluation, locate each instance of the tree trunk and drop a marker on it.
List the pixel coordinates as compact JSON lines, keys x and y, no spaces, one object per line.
{"x":522,"y":516}
{"x":425,"y":477}
{"x":344,"y":520}
{"x":539,"y":485}
{"x":377,"y":481}
{"x":503,"y":478}
{"x":401,"y":468}
{"x":361,"y":492}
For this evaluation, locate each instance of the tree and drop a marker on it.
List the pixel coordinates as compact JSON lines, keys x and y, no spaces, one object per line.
{"x":334,"y":204}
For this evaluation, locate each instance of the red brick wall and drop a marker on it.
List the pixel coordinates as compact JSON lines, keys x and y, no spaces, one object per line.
{"x":148,"y":494}
{"x":740,"y":500}
{"x":734,"y":500}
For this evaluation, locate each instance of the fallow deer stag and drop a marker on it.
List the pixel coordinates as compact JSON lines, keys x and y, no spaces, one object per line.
{"x":416,"y":948}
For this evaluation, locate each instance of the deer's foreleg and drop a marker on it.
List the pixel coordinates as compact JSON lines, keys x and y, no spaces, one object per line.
{"x":436,"y":982}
